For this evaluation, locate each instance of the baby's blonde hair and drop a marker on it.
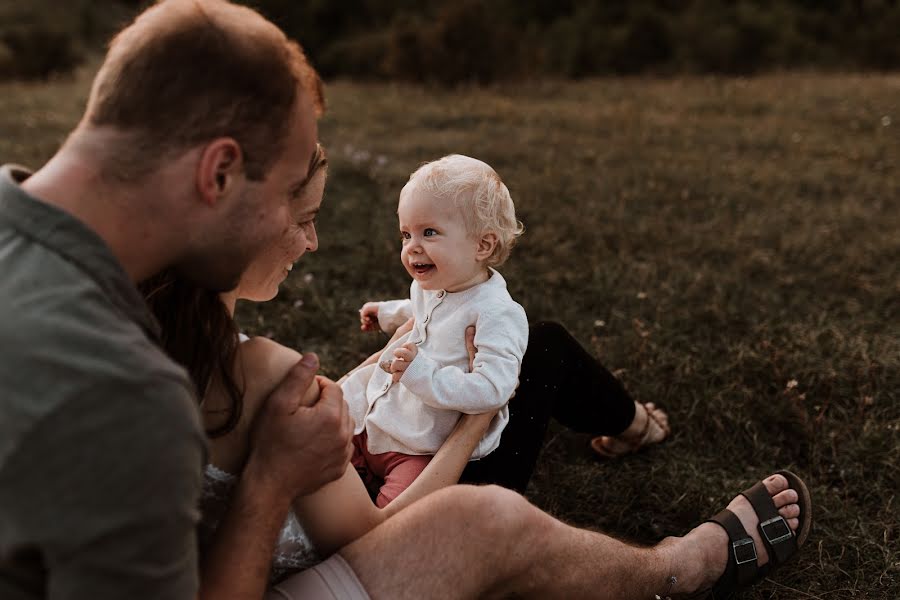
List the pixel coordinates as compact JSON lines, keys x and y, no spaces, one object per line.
{"x":479,"y":194}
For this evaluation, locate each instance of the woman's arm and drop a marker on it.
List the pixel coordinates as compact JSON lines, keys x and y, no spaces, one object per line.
{"x":298,"y":445}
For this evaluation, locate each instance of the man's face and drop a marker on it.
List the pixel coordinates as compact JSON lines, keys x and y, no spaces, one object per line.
{"x":259,"y":213}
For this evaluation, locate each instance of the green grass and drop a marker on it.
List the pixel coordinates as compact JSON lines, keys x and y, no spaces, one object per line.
{"x":710,"y":240}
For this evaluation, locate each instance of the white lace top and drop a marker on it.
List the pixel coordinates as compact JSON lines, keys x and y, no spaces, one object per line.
{"x":293,"y":552}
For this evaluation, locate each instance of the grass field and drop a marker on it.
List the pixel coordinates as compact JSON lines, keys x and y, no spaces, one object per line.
{"x":730,"y":248}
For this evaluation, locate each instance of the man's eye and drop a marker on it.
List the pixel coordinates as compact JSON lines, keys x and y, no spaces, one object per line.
{"x":430,"y":232}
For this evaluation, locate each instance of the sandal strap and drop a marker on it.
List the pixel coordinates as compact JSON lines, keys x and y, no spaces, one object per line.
{"x":741,"y":569}
{"x":638,"y":440}
{"x":773,"y":528}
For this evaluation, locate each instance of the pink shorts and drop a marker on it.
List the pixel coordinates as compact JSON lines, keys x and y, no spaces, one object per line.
{"x":332,"y":579}
{"x":397,"y":470}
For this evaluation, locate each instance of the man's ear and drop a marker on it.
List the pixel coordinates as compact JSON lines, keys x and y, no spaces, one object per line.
{"x":221,"y":162}
{"x":486,"y":245}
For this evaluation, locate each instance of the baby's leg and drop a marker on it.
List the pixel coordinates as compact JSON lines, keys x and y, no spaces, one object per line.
{"x":400,"y":470}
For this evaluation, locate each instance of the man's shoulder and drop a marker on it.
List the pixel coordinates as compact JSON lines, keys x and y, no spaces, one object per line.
{"x":51,"y":308}
{"x":62,"y":338}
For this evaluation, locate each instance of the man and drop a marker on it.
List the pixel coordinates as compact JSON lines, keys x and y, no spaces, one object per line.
{"x":101,"y":448}
{"x":199,"y":127}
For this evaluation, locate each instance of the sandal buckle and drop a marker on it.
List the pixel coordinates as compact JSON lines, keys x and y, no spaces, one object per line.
{"x":744,"y":551}
{"x":776,"y":530}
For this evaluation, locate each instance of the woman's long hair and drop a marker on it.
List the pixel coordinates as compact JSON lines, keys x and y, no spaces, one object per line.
{"x":199,"y":333}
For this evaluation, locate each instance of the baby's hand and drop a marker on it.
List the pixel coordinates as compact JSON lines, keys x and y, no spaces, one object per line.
{"x":404,"y":355}
{"x":368,"y":317}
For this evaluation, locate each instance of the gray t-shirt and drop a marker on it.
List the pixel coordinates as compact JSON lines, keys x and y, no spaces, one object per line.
{"x":101,"y":446}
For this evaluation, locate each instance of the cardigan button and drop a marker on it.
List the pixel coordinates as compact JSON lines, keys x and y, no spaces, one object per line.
{"x":440,"y":294}
{"x":426,"y":318}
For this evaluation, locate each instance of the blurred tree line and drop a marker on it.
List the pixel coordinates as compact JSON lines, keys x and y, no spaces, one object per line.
{"x":461,"y":41}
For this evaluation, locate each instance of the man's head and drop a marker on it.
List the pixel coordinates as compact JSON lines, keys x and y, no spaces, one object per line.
{"x":210,"y":98}
{"x":189,"y":71}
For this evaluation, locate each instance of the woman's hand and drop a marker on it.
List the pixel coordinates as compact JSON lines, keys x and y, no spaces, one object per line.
{"x":477,"y":424}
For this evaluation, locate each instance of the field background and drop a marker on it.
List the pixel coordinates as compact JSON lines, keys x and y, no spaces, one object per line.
{"x":729,"y":247}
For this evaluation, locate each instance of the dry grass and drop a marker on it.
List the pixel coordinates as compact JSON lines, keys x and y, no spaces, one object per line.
{"x":711,"y":240}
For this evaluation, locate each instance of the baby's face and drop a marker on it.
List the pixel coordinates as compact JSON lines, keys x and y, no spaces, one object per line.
{"x":437,"y":250}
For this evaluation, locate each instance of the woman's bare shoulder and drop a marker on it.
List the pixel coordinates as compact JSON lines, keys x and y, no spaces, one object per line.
{"x":264,"y":363}
{"x":261,"y":365}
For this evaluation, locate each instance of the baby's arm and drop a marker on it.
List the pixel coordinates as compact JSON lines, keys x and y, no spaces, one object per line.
{"x":501,"y":338}
{"x":389,"y":315}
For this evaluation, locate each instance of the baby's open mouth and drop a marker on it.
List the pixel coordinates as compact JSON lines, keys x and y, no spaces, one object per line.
{"x":422,"y":268}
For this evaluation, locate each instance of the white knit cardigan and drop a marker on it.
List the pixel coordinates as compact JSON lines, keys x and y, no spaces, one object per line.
{"x":415,"y":415}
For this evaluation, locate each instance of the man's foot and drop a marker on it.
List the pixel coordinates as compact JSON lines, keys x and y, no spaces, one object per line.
{"x":649,"y":426}
{"x":699,"y":559}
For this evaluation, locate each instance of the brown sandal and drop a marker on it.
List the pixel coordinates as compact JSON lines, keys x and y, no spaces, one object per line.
{"x":602,"y":444}
{"x":781,"y":543}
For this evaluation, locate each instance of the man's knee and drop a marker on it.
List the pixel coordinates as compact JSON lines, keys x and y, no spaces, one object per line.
{"x":495,"y":512}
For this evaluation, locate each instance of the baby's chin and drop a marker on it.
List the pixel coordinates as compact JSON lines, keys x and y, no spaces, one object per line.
{"x":429,"y":285}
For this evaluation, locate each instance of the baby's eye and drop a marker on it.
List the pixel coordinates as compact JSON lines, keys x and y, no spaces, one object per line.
{"x":430,"y":232}
{"x":405,"y":235}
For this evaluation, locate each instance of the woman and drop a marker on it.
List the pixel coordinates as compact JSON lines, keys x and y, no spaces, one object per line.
{"x":558,"y":379}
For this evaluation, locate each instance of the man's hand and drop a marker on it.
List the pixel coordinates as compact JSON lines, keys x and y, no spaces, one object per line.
{"x":299,"y":447}
{"x":368,"y":317}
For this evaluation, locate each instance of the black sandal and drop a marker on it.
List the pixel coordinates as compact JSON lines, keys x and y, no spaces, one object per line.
{"x":781,"y":543}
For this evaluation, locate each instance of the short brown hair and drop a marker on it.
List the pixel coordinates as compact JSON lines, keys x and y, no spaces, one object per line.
{"x":186,"y":71}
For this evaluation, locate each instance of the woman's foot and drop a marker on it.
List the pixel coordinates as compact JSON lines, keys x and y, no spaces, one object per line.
{"x":649,"y":426}
{"x":699,"y":559}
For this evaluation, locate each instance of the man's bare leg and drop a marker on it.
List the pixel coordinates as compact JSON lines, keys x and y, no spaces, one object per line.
{"x":468,"y":542}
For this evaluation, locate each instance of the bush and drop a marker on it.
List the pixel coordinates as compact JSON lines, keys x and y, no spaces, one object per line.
{"x":359,"y":57}
{"x":645,"y":44}
{"x":464,"y":43}
{"x":39,"y":38}
{"x":34,"y":52}
{"x":453,"y":42}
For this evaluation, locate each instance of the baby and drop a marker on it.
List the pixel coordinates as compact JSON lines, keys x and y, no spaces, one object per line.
{"x":457,"y":222}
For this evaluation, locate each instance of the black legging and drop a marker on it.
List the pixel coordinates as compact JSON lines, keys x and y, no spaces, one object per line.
{"x":559,"y":379}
